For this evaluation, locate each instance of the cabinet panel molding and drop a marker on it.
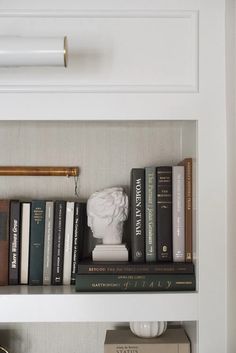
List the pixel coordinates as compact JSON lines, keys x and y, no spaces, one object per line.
{"x":121,"y":51}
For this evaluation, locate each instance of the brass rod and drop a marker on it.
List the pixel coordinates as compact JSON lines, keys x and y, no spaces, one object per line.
{"x":39,"y":171}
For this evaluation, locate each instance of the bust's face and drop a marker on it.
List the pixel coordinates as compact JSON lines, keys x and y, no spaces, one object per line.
{"x":107,"y":211}
{"x":98,"y":226}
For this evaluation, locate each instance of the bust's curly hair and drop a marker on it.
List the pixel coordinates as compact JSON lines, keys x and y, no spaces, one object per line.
{"x":109,"y":203}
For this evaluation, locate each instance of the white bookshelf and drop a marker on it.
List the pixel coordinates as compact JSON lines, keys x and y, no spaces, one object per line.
{"x":145,"y":85}
{"x":92,"y":307}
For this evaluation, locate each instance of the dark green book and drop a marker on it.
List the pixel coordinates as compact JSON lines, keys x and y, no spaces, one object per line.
{"x":135,"y":283}
{"x":137,"y":214}
{"x":37,"y":229}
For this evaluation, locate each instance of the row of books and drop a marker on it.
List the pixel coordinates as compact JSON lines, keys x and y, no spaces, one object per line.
{"x":40,"y":241}
{"x":161,"y":213}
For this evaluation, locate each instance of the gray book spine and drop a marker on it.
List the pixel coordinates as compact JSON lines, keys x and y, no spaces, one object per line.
{"x":178,"y":214}
{"x":150,"y":213}
{"x":47,"y":265}
{"x":68,"y":242}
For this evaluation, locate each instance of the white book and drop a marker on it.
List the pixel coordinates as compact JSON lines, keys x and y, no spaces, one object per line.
{"x":68,"y":242}
{"x":25,"y":233}
{"x":48,"y":237}
{"x":178,"y":214}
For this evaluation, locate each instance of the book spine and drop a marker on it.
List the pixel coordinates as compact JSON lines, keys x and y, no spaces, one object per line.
{"x":138,"y":215}
{"x":14,"y":243}
{"x":164,"y":213}
{"x":25,"y":236}
{"x":78,"y":234}
{"x":106,"y":268}
{"x":150,"y":213}
{"x":36,"y":242}
{"x":129,"y":283}
{"x":58,"y":242}
{"x":178,"y":214}
{"x":68,"y":242}
{"x":4,"y":241}
{"x":48,"y":236}
{"x":188,"y":210}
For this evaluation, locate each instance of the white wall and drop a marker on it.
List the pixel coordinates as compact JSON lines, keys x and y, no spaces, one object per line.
{"x":104,"y":151}
{"x":54,"y":338}
{"x":231,"y":165}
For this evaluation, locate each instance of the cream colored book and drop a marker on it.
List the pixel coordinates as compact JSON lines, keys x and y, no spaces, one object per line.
{"x":178,"y":214}
{"x":25,"y":232}
{"x":174,"y":340}
{"x":48,"y":240}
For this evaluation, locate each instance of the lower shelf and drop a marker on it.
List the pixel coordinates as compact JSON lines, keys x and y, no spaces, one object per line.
{"x":86,"y":337}
{"x":63,"y":304}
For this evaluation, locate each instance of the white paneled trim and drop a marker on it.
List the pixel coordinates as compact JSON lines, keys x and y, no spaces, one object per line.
{"x":97,"y":13}
{"x":64,"y":84}
{"x":97,"y":89}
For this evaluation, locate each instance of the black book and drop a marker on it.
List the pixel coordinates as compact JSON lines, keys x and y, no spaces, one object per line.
{"x":14,"y":243}
{"x":58,"y":242}
{"x":78,"y":235}
{"x":37,"y":229}
{"x":138,"y":214}
{"x":164,"y":214}
{"x":4,"y":241}
{"x":135,"y":282}
{"x":91,"y":267}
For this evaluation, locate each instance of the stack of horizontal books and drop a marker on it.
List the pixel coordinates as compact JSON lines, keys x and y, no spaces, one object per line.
{"x":124,"y":341}
{"x":127,"y":276}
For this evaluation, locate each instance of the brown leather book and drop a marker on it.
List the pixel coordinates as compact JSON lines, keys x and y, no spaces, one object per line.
{"x":4,"y":241}
{"x":188,"y":163}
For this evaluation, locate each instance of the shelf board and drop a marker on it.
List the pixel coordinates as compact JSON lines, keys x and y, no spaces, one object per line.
{"x":63,"y":304}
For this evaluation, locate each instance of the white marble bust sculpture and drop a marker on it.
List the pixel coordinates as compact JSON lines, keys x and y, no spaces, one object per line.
{"x":107,"y":210}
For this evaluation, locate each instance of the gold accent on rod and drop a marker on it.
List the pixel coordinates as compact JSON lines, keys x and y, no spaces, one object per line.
{"x":39,"y":171}
{"x":65,"y":51}
{"x":2,"y":349}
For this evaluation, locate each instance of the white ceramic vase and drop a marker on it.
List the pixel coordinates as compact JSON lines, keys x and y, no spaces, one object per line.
{"x":148,"y":329}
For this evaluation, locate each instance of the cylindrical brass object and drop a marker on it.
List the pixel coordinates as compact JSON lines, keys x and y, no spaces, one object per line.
{"x":2,"y":349}
{"x":39,"y":171}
